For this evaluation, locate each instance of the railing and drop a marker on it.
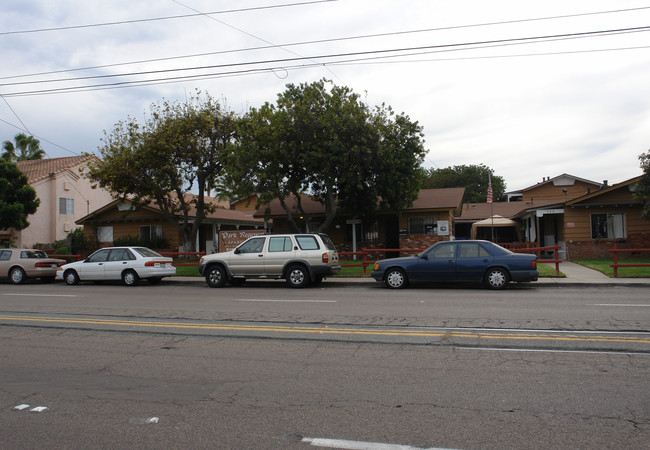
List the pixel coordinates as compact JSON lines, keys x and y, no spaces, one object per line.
{"x":177,"y":254}
{"x":556,"y":257}
{"x":617,"y":250}
{"x":367,"y":251}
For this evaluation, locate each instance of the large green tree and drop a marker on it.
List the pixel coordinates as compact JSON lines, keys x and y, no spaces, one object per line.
{"x":17,"y":197}
{"x":643,"y":186}
{"x":177,"y":151}
{"x":322,"y":140}
{"x":474,"y":178}
{"x":25,"y":148}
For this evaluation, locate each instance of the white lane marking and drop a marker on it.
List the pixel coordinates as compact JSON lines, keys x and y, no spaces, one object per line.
{"x":360,"y":445}
{"x":616,"y":304}
{"x":41,"y":295}
{"x":539,"y":350}
{"x":282,"y":301}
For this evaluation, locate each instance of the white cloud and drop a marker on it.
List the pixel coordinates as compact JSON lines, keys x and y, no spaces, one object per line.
{"x":527,"y":117}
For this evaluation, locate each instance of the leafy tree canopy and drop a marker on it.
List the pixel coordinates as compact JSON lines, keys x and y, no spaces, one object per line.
{"x":322,"y":140}
{"x":643,"y":186}
{"x":177,"y":150}
{"x":474,"y":178}
{"x":25,"y":148}
{"x":17,"y":197}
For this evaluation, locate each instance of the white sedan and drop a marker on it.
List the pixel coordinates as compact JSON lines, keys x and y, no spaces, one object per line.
{"x":128,"y":264}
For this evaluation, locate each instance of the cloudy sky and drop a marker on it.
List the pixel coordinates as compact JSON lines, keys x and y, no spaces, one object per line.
{"x":530,"y":89}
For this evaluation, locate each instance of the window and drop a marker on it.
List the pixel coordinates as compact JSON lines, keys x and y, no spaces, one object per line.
{"x":33,"y":254}
{"x":5,"y":255}
{"x":146,"y":252}
{"x":105,"y":234}
{"x":307,"y":242}
{"x":471,"y":250}
{"x":121,"y":254}
{"x":252,"y":246}
{"x":423,"y":225}
{"x":149,"y":232}
{"x":280,"y":244}
{"x":99,"y":256}
{"x":442,"y":251}
{"x":607,"y":226}
{"x":66,"y":206}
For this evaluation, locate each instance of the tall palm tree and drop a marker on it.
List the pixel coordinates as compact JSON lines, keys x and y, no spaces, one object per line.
{"x":26,"y":148}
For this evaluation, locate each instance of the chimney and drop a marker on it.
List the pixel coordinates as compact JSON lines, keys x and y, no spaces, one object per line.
{"x":604,"y":183}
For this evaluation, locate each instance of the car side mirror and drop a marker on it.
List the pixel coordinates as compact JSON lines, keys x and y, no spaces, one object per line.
{"x":237,"y":251}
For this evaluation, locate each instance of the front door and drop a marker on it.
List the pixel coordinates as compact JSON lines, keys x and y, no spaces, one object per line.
{"x":93,"y":266}
{"x":248,"y":258}
{"x":438,"y":264}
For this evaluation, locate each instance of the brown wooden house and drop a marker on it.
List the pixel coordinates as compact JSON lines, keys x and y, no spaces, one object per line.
{"x":595,"y":221}
{"x":428,"y":220}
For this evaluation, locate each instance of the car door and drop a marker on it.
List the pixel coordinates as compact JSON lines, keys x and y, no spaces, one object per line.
{"x":118,"y":260}
{"x":5,"y":262}
{"x":280,"y":250}
{"x":438,"y":264}
{"x":472,"y":261}
{"x":248,"y":258}
{"x":93,"y":267}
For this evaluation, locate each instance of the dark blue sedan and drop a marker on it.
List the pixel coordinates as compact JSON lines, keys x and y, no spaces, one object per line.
{"x":458,"y":261}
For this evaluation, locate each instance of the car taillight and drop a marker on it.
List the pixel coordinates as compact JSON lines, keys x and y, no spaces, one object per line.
{"x":201,"y":260}
{"x":43,"y":264}
{"x":533,"y":264}
{"x":326,"y":257}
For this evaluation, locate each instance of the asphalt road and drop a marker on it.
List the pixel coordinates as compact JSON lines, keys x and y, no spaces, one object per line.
{"x":262,"y":366}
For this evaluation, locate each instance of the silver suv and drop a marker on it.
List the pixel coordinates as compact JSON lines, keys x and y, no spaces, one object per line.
{"x":300,"y":259}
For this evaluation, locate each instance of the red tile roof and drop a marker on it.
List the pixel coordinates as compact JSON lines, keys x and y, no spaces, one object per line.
{"x":38,"y":169}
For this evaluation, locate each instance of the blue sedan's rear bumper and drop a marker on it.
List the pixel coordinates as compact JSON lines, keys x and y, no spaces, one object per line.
{"x":524,"y":275}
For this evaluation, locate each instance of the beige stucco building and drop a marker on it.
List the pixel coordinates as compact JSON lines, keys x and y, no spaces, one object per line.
{"x":66,"y":195}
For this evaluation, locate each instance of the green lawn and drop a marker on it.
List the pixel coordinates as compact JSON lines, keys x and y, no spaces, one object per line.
{"x":602,"y":265}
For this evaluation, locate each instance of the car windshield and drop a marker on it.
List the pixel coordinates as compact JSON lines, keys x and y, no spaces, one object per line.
{"x":33,"y":254}
{"x":146,"y":252}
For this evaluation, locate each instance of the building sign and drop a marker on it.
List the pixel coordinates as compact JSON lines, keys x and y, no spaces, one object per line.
{"x":541,"y":212}
{"x":228,"y":240}
{"x":443,"y":228}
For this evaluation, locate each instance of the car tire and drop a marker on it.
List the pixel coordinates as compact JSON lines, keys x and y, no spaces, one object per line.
{"x":17,"y":275}
{"x":297,"y":276}
{"x":70,"y":277}
{"x":497,"y":278}
{"x":395,"y":279}
{"x":216,"y":276}
{"x":130,"y":278}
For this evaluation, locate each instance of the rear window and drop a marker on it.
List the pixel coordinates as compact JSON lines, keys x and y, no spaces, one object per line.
{"x":146,"y":252}
{"x":33,"y":254}
{"x":327,"y":241}
{"x":307,"y":242}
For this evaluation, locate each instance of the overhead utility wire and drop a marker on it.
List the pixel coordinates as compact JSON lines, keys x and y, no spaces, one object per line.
{"x":533,"y":39}
{"x":319,"y":41}
{"x":154,"y":19}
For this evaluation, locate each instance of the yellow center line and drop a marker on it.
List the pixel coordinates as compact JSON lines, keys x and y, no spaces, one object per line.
{"x":511,"y":335}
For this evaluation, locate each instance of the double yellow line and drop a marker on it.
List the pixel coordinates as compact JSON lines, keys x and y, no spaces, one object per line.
{"x":414,"y":332}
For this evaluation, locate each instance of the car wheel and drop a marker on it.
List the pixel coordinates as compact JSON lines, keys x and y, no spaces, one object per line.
{"x":71,"y":278}
{"x":297,"y":276}
{"x":497,"y":278}
{"x":395,"y":279}
{"x":17,"y":275}
{"x":216,"y":276}
{"x":129,"y":278}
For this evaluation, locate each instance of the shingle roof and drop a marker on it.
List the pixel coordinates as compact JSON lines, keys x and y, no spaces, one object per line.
{"x":38,"y":169}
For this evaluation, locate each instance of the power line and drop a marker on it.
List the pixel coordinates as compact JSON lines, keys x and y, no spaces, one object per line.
{"x":154,"y":19}
{"x":399,"y":52}
{"x":319,"y":41}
